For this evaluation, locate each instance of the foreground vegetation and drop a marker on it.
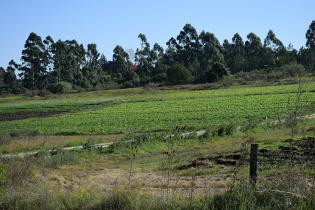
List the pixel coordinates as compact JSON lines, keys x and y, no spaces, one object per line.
{"x":156,"y":173}
{"x":154,"y":158}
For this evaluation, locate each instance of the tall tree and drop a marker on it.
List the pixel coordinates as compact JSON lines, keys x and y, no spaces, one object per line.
{"x":10,"y":76}
{"x":144,"y":59}
{"x":49,"y":47}
{"x":159,"y":72}
{"x":235,"y":54}
{"x":188,"y":45}
{"x":92,"y":69}
{"x":171,"y":55}
{"x":76,"y":57}
{"x":103,"y":63}
{"x":211,"y":52}
{"x":60,"y":62}
{"x":120,"y":66}
{"x":2,"y":73}
{"x":307,"y":55}
{"x":276,"y":54}
{"x":68,"y":61}
{"x":227,"y":48}
{"x":310,"y":36}
{"x":253,"y":50}
{"x":35,"y":61}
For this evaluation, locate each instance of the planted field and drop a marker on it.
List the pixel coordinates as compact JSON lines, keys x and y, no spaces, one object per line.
{"x":66,"y":157}
{"x":153,"y":110}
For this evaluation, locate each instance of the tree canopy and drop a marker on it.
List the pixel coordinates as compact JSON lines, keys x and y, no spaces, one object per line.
{"x":189,"y":57}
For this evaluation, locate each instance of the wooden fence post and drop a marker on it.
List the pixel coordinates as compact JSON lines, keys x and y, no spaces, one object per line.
{"x":253,"y":163}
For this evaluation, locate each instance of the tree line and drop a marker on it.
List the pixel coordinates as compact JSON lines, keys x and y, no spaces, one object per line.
{"x":191,"y":57}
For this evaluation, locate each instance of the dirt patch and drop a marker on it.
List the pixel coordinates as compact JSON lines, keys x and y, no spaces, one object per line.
{"x":301,"y":151}
{"x":25,"y":115}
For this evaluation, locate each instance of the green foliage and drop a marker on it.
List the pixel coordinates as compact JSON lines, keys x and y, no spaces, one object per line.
{"x":234,"y":54}
{"x":120,"y":66}
{"x":178,"y":74}
{"x":272,"y":74}
{"x":190,"y":57}
{"x":60,"y":87}
{"x":308,"y":203}
{"x":217,"y":71}
{"x":35,"y":61}
{"x":92,"y":71}
{"x":307,"y":58}
{"x":145,"y":59}
{"x":159,"y":111}
{"x":310,"y":36}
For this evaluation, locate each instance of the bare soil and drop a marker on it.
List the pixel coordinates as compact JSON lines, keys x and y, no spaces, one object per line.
{"x":301,"y":151}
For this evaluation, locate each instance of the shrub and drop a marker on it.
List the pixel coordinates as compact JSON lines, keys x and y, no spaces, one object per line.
{"x":292,"y":70}
{"x":60,"y":87}
{"x":218,"y":70}
{"x":178,"y":74}
{"x":272,"y":74}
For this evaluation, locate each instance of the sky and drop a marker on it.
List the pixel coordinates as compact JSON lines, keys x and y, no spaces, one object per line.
{"x":116,"y":22}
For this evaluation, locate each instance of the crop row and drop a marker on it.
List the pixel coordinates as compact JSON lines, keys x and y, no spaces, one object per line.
{"x":162,"y":115}
{"x":77,"y":101}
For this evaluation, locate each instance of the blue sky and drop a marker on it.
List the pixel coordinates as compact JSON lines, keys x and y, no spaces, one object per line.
{"x":111,"y":22}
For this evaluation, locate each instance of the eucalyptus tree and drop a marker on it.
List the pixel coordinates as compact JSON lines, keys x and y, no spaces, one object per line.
{"x":34,"y":63}
{"x":210,"y":52}
{"x":310,"y":36}
{"x":9,"y":78}
{"x":120,"y":65}
{"x":188,"y":47}
{"x":92,"y":70}
{"x":2,"y":73}
{"x":159,"y":72}
{"x":276,"y":53}
{"x":68,"y":61}
{"x":254,"y":52}
{"x":307,"y":55}
{"x":234,"y":54}
{"x":144,"y":59}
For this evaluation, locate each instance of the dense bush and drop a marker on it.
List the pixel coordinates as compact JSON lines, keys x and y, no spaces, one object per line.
{"x":217,"y":71}
{"x":178,"y":74}
{"x":272,"y":74}
{"x":60,"y":87}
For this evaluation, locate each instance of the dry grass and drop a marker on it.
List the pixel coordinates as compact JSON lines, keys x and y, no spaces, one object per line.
{"x":29,"y":143}
{"x":82,"y":183}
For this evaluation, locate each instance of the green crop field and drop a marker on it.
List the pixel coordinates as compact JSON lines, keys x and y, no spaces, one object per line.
{"x":142,"y":110}
{"x":54,"y":138}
